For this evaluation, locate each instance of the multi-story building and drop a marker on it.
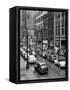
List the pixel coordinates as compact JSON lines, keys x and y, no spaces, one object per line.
{"x":22,"y":27}
{"x":31,"y":29}
{"x":45,"y":28}
{"x":59,"y":29}
{"x":50,"y":26}
{"x":30,"y":20}
{"x":50,"y":29}
{"x":41,"y":27}
{"x":26,"y":26}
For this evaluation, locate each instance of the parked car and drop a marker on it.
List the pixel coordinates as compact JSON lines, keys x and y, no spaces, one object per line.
{"x":62,"y":62}
{"x":25,"y":55}
{"x":56,"y":49}
{"x":31,"y":59}
{"x":41,"y":68}
{"x":62,"y":51}
{"x":26,"y":52}
{"x":51,"y":56}
{"x":22,"y":52}
{"x":48,"y":57}
{"x":54,"y":58}
{"x":44,"y":54}
{"x":56,"y":62}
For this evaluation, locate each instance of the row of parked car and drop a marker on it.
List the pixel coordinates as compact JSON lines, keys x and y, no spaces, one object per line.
{"x":40,"y":67}
{"x":30,"y":55}
{"x":58,"y":58}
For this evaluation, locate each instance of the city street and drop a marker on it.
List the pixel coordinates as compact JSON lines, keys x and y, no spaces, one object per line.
{"x":42,"y":33}
{"x":31,"y":74}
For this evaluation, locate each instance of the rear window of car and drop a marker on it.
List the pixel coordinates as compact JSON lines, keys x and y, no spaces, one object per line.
{"x":43,"y":66}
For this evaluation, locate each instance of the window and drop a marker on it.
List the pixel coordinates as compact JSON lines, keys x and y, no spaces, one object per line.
{"x":63,"y":24}
{"x":62,"y":19}
{"x":63,"y":31}
{"x":57,"y":43}
{"x":57,"y":15}
{"x":56,"y":31}
{"x":57,"y":27}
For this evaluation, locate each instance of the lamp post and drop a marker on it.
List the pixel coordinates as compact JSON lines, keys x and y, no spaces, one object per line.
{"x":27,"y":65}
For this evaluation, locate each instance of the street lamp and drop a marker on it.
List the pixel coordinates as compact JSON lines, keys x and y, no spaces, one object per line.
{"x":27,"y":65}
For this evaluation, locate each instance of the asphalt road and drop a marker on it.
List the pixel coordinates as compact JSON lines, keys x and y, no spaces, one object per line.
{"x":31,"y":74}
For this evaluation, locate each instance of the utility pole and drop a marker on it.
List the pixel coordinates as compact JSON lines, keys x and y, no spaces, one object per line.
{"x":54,"y":28}
{"x":27,"y":65}
{"x":42,"y":36}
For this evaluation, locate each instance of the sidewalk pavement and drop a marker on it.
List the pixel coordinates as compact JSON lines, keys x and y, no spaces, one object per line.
{"x":26,"y":74}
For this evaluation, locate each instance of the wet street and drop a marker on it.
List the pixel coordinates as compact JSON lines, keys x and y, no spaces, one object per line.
{"x":31,"y":74}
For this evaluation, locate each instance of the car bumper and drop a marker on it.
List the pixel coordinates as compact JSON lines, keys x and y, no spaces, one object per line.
{"x":62,"y":67}
{"x":32,"y":62}
{"x":43,"y":72}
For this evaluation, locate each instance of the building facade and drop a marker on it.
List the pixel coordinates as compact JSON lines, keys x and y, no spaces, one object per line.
{"x":48,"y":26}
{"x":50,"y":29}
{"x":41,"y":27}
{"x":45,"y":28}
{"x":59,"y":29}
{"x":22,"y":27}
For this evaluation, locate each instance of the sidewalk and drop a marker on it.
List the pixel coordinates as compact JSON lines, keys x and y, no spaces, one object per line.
{"x":26,"y":74}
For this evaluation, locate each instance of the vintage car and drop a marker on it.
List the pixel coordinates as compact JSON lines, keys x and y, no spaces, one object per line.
{"x":22,"y":51}
{"x":41,"y":68}
{"x":44,"y":54}
{"x":31,"y":59}
{"x":62,"y":62}
{"x":54,"y":58}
